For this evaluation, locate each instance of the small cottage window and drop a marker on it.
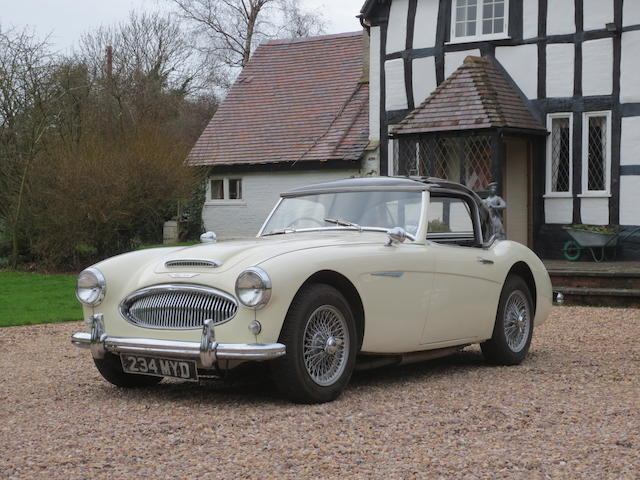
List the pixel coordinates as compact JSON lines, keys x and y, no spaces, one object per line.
{"x":474,"y":20}
{"x":559,"y":152}
{"x":596,"y":153}
{"x":217,"y":189}
{"x":235,"y":188}
{"x":224,"y":190}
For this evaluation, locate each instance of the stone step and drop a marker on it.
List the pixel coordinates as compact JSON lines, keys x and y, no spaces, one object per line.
{"x":595,"y":281}
{"x":600,"y":296}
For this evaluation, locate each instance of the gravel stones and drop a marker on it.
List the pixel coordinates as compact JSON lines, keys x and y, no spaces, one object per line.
{"x":571,"y":410}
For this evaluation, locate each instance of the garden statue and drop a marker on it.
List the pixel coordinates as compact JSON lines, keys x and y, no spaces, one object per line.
{"x":496,"y":204}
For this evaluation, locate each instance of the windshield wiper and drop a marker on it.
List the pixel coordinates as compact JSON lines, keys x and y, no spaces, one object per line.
{"x":343,"y":223}
{"x":280,"y":231}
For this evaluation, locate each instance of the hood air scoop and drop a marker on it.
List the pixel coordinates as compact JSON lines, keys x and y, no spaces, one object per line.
{"x":192,"y":263}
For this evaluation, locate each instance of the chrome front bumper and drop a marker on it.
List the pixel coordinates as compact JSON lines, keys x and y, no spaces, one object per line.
{"x":206,"y":352}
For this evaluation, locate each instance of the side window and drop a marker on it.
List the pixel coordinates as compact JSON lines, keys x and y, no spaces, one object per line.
{"x":450,"y":221}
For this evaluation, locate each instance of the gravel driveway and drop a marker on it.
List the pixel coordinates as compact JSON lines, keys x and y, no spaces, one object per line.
{"x":570,"y":411}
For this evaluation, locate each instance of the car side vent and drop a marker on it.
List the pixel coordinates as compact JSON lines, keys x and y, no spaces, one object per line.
{"x":192,"y":263}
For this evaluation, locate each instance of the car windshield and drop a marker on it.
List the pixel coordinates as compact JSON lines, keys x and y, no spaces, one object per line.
{"x":368,"y":210}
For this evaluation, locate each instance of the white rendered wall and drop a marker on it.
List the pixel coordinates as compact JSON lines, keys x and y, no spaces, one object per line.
{"x":395,"y":93}
{"x":424,"y":78}
{"x":561,"y":17}
{"x":426,"y":23}
{"x":560,"y":69}
{"x":630,"y":142}
{"x":629,"y":209}
{"x":594,"y":211}
{"x":530,"y":18}
{"x":452,"y":60}
{"x":597,"y":13}
{"x":630,"y":67}
{"x":631,"y":13}
{"x":597,"y":67}
{"x":558,"y":210}
{"x":374,"y":83}
{"x":521,"y":62}
{"x":397,"y":26}
{"x":260,"y":191}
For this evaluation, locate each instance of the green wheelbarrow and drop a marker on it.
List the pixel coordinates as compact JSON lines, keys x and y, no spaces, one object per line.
{"x":596,"y":242}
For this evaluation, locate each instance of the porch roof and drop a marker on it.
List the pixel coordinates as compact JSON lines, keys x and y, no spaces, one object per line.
{"x":478,"y":95}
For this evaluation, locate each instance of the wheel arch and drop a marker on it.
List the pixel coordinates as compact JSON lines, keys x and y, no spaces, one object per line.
{"x":347,"y":289}
{"x":522,"y":270}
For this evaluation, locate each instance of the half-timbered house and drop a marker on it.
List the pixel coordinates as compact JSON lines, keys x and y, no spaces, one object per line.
{"x":540,"y":96}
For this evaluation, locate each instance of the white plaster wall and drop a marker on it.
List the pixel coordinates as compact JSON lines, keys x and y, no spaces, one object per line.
{"x":631,"y":13}
{"x":261,"y":192}
{"x":426,"y":23}
{"x":597,"y":13}
{"x":390,"y":155}
{"x":560,"y":69}
{"x":424,"y":78}
{"x":558,"y":210}
{"x":597,"y":67}
{"x":395,"y":92}
{"x":521,"y":62}
{"x":630,"y":67}
{"x":452,"y":60}
{"x":561,"y":17}
{"x":594,"y":211}
{"x":374,"y":83}
{"x":629,"y":199}
{"x":630,"y":142}
{"x":530,"y":18}
{"x":397,"y":26}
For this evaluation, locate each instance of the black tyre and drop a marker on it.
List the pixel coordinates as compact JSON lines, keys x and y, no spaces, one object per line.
{"x":513,"y":328}
{"x":111,"y":369}
{"x":320,"y":336}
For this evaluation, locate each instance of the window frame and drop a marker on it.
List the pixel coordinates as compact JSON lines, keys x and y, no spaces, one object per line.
{"x":449,"y":238}
{"x":226,"y":200}
{"x":549,"y":193}
{"x":585,"y":156}
{"x":478,"y":37}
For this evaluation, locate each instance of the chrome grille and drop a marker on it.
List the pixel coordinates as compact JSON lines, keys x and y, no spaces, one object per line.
{"x":177,"y":306}
{"x":192,"y":263}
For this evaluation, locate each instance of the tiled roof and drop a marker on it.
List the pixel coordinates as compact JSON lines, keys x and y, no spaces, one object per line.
{"x":476,"y":96}
{"x":295,"y":101}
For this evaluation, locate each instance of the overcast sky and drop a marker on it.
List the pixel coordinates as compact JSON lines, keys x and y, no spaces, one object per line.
{"x":66,"y":20}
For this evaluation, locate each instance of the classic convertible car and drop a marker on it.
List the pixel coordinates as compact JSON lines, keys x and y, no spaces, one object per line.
{"x":346,"y":274}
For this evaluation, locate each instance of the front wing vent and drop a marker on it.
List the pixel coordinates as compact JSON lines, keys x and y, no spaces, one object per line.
{"x":192,"y":263}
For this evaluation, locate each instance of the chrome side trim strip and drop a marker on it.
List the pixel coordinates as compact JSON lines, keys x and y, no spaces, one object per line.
{"x":387,"y":274}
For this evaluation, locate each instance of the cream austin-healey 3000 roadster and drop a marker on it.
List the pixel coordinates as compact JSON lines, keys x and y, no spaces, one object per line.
{"x":367,"y":271}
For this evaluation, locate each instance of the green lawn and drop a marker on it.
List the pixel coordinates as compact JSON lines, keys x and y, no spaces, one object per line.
{"x":30,"y":298}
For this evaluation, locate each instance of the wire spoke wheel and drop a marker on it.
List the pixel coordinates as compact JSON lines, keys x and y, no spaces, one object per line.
{"x":326,"y":345}
{"x":517,"y":321}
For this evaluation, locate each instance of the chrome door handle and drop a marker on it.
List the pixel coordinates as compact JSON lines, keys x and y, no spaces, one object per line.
{"x":484,"y":261}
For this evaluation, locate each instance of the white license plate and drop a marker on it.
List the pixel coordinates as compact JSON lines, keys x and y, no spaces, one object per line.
{"x":159,"y":367}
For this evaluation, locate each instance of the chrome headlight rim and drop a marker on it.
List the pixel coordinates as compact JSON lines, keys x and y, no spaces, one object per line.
{"x":263,"y":277}
{"x":101,"y":285}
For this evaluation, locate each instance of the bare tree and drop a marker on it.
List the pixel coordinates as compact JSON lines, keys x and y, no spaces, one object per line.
{"x":25,"y":117}
{"x":230,"y":30}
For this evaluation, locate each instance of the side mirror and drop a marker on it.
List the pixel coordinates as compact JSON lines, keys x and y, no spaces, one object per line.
{"x":208,"y":237}
{"x":396,"y":235}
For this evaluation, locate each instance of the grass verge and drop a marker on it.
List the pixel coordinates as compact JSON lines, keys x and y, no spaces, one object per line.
{"x":32,"y":298}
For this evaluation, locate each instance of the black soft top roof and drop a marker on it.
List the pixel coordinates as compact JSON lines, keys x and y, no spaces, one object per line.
{"x":374,"y":183}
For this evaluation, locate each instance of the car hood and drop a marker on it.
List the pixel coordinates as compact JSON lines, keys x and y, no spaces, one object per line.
{"x":227,"y":254}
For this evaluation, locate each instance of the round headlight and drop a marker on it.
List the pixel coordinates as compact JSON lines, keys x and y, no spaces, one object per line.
{"x":91,"y":287}
{"x":253,"y":288}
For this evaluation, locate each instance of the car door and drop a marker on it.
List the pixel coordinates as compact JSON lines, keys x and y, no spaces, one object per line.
{"x":465,"y":289}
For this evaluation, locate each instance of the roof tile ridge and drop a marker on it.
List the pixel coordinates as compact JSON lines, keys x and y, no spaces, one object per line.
{"x":317,"y":38}
{"x":433,"y":94}
{"x":491,"y":92}
{"x":333,"y":121}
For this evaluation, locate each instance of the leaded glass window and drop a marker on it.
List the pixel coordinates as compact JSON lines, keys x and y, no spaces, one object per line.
{"x":560,"y":151}
{"x":595,"y":169}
